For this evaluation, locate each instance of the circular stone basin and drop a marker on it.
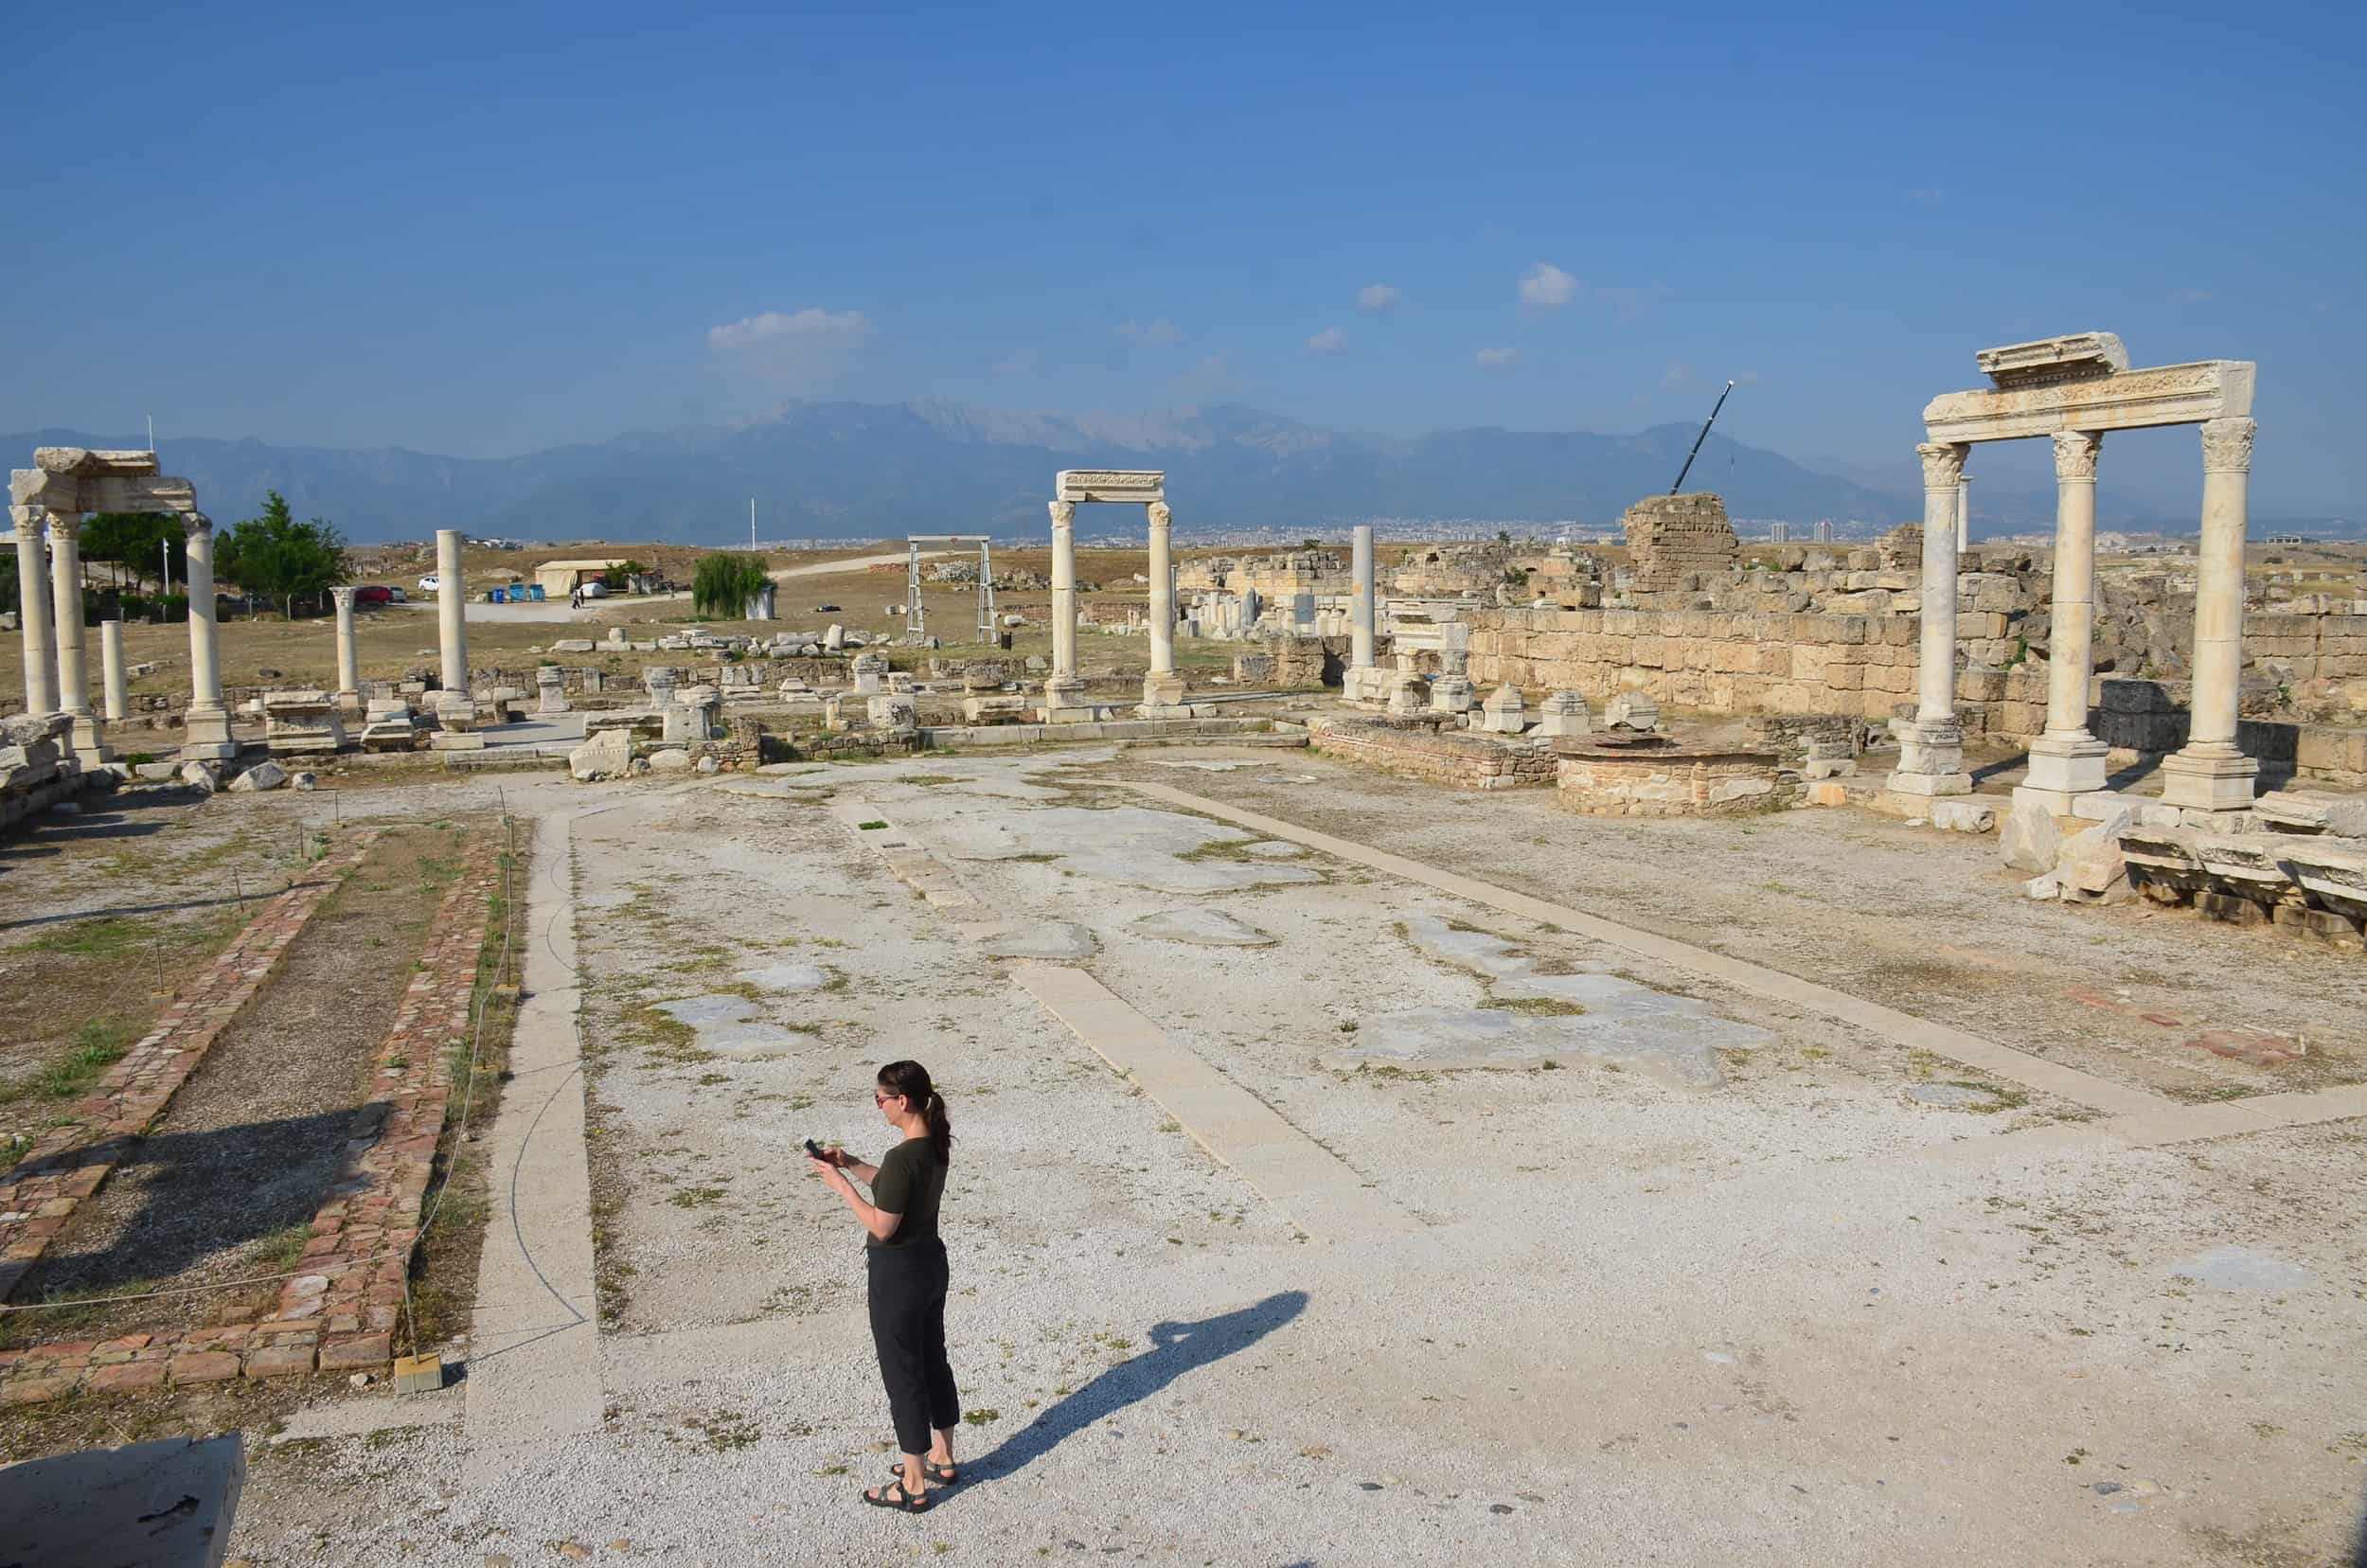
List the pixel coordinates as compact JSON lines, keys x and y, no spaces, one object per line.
{"x":1655,"y":776}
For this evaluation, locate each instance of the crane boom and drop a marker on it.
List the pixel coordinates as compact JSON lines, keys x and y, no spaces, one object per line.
{"x":1698,"y":439}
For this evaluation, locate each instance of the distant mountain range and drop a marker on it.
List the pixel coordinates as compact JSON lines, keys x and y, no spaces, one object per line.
{"x":880,"y":471}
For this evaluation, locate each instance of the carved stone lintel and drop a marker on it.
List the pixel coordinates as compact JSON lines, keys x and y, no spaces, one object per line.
{"x":1063,"y":513}
{"x":1161,"y":514}
{"x":2075,"y":453}
{"x":2227,"y":445}
{"x":1943,"y":463}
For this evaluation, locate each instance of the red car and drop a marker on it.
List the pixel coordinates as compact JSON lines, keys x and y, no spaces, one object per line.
{"x":375,"y":594}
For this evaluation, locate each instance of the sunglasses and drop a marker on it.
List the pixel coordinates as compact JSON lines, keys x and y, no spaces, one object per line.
{"x":878,"y":1099}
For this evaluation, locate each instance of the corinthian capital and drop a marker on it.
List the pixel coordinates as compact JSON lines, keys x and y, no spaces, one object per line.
{"x":343,"y":597}
{"x":196,"y":524}
{"x":64,"y":526}
{"x":2075,"y":452}
{"x":1161,"y":514}
{"x":1943,"y":463}
{"x":28,"y":521}
{"x":2227,"y":446}
{"x":1063,"y":513}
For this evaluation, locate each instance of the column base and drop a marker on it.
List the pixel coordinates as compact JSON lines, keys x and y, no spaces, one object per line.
{"x":90,"y":743}
{"x":1931,"y":761}
{"x":2064,"y":767}
{"x":1365,"y":683}
{"x":1163,"y":688}
{"x":2219,"y":778}
{"x":206,"y":737}
{"x":456,"y":712}
{"x":1064,"y":702}
{"x":351,"y":702}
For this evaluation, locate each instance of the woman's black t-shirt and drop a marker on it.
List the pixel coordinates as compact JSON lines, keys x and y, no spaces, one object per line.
{"x":910,"y":1181}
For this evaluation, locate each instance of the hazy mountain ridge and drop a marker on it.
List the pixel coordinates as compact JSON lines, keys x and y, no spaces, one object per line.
{"x":880,"y":469}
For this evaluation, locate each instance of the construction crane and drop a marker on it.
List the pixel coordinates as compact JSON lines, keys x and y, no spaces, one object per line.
{"x":1698,"y":439}
{"x":917,"y":615}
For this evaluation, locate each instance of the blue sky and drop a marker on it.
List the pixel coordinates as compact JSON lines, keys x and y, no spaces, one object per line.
{"x":484,"y":230}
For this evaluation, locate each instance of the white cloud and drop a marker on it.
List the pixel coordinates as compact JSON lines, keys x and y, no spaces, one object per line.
{"x":1678,"y":377}
{"x":1747,"y":378}
{"x":1206,"y":379}
{"x":1496,"y":359}
{"x":798,"y":350}
{"x":1329,"y":340}
{"x":1546,"y":287}
{"x":1157,"y":332}
{"x":1378,"y":297}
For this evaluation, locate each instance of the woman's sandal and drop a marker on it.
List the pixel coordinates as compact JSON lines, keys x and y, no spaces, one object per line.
{"x":943,"y":1475}
{"x":893,"y":1495}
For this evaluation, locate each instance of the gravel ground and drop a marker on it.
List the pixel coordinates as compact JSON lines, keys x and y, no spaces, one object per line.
{"x":1797,"y":1318}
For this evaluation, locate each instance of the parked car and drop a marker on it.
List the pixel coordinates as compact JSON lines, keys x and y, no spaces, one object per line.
{"x":594,"y":588}
{"x":431,"y":584}
{"x":376,"y":594}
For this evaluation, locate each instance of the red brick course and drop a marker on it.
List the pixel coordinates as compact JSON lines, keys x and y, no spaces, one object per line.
{"x":341,"y":1312}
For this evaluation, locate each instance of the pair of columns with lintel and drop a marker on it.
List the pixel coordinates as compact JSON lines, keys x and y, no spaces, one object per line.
{"x":2209,"y":773}
{"x":1163,"y":687}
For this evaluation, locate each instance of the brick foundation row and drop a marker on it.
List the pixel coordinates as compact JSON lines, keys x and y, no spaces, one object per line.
{"x":69,"y":1163}
{"x":340,"y":1313}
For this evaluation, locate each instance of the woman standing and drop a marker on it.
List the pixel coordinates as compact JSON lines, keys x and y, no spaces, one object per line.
{"x":907,"y":1268}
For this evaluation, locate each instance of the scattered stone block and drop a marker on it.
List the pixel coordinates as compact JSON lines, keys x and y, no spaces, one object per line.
{"x":1632,"y":711}
{"x":2313,"y":811}
{"x":1564,"y":713}
{"x":265,"y":775}
{"x":1964,"y":815}
{"x":1505,"y":712}
{"x":2031,"y":839}
{"x":1054,"y":940}
{"x":606,"y":755}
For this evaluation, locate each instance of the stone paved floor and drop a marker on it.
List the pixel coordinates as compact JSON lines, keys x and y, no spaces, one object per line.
{"x":1814,"y":1312}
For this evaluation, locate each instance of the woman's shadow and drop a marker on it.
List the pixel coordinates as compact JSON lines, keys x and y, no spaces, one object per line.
{"x":1175,"y":1350}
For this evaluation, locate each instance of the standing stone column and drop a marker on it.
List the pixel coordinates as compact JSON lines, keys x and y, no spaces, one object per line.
{"x":1964,"y":515}
{"x":118,"y":689}
{"x":1362,"y":683}
{"x":1163,"y":687}
{"x":66,"y":582}
{"x":348,"y":655}
{"x":2068,"y":761}
{"x":207,"y":735}
{"x":1931,"y":752}
{"x":32,"y":599}
{"x":451,"y":600}
{"x":1064,"y":693}
{"x":2210,"y":774}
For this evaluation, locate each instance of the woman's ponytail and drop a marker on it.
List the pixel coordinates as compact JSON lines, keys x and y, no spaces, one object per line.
{"x":911,"y":1080}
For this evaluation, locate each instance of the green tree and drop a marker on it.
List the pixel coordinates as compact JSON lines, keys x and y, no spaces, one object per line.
{"x":725,"y":582}
{"x":279,"y":558}
{"x":136,"y":542}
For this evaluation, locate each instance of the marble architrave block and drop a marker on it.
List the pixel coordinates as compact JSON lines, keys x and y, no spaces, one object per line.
{"x":1142,"y":485}
{"x":2122,"y":399}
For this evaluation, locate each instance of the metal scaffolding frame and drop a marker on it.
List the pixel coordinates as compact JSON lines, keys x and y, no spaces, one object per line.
{"x":917,"y":615}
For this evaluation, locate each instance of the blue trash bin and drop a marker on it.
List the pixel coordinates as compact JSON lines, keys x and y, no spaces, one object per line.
{"x":535,"y":593}
{"x":497,"y":596}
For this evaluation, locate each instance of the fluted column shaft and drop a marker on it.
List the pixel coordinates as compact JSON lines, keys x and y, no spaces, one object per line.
{"x":1964,"y":515}
{"x":33,"y":601}
{"x":1161,"y":591}
{"x":1064,"y":590}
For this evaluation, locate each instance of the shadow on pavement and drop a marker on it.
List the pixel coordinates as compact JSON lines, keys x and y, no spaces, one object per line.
{"x":1175,"y":1350}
